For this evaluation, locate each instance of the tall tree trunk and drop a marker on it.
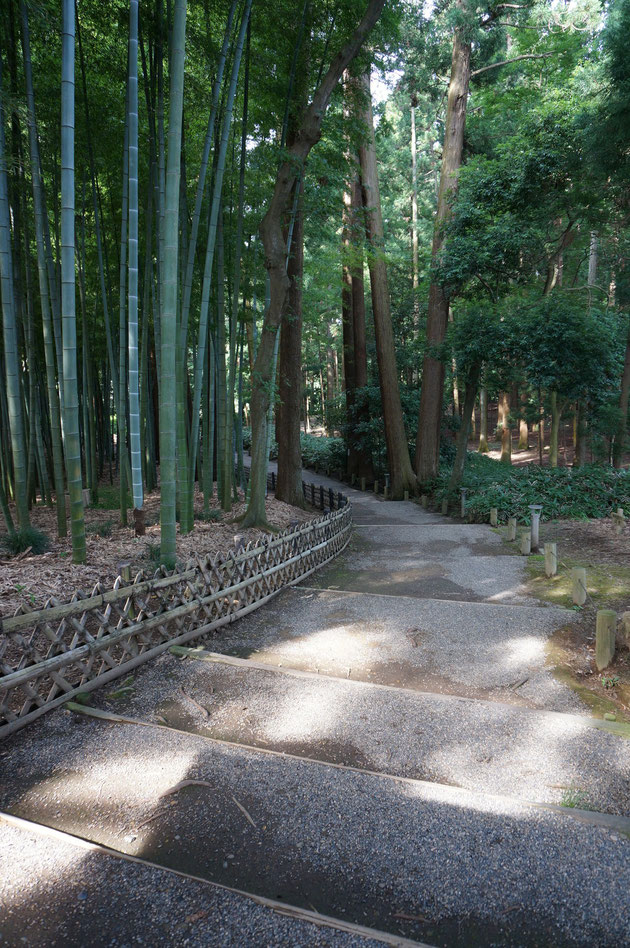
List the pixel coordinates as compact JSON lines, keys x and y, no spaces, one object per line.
{"x":483,"y":420}
{"x":432,"y":393}
{"x":624,"y":399}
{"x":134,"y":387}
{"x":44,"y":291}
{"x":400,"y":470}
{"x":289,"y":484}
{"x":555,"y":428}
{"x":168,"y":318}
{"x":362,"y":412}
{"x":10,"y":338}
{"x":415,"y":271}
{"x":68,"y":301}
{"x":506,"y":431}
{"x":275,"y":258}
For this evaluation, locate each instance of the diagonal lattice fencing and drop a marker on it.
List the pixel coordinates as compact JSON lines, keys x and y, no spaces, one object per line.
{"x":50,"y":655}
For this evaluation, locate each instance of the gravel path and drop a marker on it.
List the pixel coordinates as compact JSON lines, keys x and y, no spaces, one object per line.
{"x":475,"y":649}
{"x":350,"y":845}
{"x":478,"y":745}
{"x":104,"y":901}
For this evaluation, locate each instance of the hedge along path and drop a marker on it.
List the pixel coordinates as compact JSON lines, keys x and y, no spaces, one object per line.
{"x":49,"y":656}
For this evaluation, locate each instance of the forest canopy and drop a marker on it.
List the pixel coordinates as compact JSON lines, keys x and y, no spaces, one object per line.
{"x":229,"y":228}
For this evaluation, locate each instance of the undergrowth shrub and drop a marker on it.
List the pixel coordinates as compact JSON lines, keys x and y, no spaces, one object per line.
{"x":564,"y":492}
{"x":21,"y":540}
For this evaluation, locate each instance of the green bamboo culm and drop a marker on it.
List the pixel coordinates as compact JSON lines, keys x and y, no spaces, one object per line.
{"x":168,"y":296}
{"x":68,"y":301}
{"x":132,"y":254}
{"x":42,"y":273}
{"x":10,"y":338}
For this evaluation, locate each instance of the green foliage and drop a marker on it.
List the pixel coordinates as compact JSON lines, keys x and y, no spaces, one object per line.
{"x":109,"y":498}
{"x":323,"y":452}
{"x":210,"y":516}
{"x":23,"y":539}
{"x":575,"y":493}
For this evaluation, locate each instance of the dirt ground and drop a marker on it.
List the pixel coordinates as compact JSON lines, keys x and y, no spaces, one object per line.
{"x":31,"y":580}
{"x":594,"y":545}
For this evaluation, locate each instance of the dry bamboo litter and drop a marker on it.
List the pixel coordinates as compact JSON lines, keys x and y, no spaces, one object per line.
{"x":49,"y":656}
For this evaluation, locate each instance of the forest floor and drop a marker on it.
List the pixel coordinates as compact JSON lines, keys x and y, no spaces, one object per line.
{"x":594,"y":545}
{"x":31,"y":580}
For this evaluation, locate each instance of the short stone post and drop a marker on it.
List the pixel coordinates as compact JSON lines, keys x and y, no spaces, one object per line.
{"x":385,"y":492}
{"x":625,"y":626}
{"x":578,"y":577}
{"x":424,"y":500}
{"x":536,"y":510}
{"x":494,"y":517}
{"x":405,"y":495}
{"x":376,"y":487}
{"x":445,"y":506}
{"x":511,"y":529}
{"x":605,"y":631}
{"x":87,"y":496}
{"x":526,"y":543}
{"x":463,"y":491}
{"x":551,"y":559}
{"x":362,"y":483}
{"x":619,"y":520}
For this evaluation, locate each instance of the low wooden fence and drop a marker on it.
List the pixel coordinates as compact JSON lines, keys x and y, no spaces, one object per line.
{"x":49,"y":656}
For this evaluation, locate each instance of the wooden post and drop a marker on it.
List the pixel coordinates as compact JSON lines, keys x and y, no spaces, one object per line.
{"x":511,"y":529}
{"x":445,"y":506}
{"x":526,"y":543}
{"x":551,"y":559}
{"x":376,"y":487}
{"x":578,"y":577}
{"x":619,"y":521}
{"x":385,"y":492}
{"x":362,"y":483}
{"x":494,"y":517}
{"x":463,"y":491}
{"x":424,"y":500}
{"x":125,"y":574}
{"x":405,"y":495}
{"x":625,"y":625}
{"x":87,"y":496}
{"x":605,"y":632}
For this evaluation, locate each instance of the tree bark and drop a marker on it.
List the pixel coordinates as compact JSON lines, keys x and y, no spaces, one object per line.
{"x":483,"y":421}
{"x":274,"y":242}
{"x":624,"y":399}
{"x":555,"y":427}
{"x":506,"y":432}
{"x":289,"y":484}
{"x":432,"y":393}
{"x":401,"y":473}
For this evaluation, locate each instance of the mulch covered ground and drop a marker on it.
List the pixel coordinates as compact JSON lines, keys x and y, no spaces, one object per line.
{"x":31,"y":580}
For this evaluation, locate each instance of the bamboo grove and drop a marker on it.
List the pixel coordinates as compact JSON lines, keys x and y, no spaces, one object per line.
{"x":206,"y":235}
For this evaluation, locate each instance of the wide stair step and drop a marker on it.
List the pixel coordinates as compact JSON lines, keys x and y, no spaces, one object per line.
{"x":439,"y":864}
{"x":483,"y":746}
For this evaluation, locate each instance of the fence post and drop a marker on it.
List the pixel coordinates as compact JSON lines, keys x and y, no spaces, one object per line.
{"x":526,"y":543}
{"x":331,"y":498}
{"x":605,"y":632}
{"x":511,"y":528}
{"x":551,"y":559}
{"x":313,"y":494}
{"x":321,"y":496}
{"x":445,"y":506}
{"x":494,"y":517}
{"x":578,"y":578}
{"x":362,"y":483}
{"x":339,"y":499}
{"x":405,"y":495}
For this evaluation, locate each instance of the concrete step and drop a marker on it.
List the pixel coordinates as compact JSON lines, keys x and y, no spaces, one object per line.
{"x":92,"y":904}
{"x":483,"y":746}
{"x":433,"y":863}
{"x":477,"y":650}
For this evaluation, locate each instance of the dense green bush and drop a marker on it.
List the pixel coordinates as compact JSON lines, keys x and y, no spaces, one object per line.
{"x":316,"y":451}
{"x":577,"y":493}
{"x":24,"y":539}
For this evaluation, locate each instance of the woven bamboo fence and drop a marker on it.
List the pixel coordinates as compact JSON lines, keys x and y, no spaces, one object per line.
{"x":50,"y":655}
